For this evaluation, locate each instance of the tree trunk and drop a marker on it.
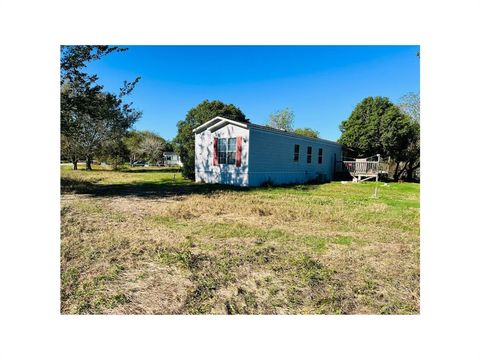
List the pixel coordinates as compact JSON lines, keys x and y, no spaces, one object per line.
{"x":410,"y":174}
{"x":115,"y":163}
{"x":74,"y":162}
{"x":410,"y":169}
{"x":398,"y":174}
{"x":401,"y":171}
{"x":89,"y":163}
{"x":395,"y":174}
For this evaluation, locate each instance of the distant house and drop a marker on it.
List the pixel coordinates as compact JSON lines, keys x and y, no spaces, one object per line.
{"x":171,"y":159}
{"x":245,"y":154}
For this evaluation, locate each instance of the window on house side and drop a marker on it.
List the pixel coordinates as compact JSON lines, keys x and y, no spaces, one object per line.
{"x":309,"y":154}
{"x":320,"y":155}
{"x":227,"y":150}
{"x":222,"y":151}
{"x":296,"y":152}
{"x":231,"y":150}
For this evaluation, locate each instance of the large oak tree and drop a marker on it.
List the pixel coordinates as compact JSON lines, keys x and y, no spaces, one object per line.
{"x":377,"y":126}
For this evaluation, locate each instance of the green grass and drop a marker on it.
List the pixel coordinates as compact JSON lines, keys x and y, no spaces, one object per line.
{"x":147,"y":241}
{"x":131,"y":176}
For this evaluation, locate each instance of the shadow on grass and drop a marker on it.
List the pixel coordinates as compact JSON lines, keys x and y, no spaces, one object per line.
{"x":134,"y":170}
{"x":157,"y":189}
{"x":139,"y":189}
{"x":150,"y":170}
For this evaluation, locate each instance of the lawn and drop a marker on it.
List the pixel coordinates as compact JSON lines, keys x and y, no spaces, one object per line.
{"x":147,"y":241}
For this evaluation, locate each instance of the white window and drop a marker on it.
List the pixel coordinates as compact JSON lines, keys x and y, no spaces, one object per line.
{"x":227,"y":151}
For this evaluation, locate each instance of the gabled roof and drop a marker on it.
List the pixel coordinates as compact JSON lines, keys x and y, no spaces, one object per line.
{"x":218,"y":122}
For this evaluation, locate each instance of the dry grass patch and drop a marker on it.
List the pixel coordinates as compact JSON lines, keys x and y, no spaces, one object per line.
{"x":321,"y":249}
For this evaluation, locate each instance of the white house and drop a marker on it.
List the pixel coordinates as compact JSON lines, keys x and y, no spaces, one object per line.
{"x":171,"y":159}
{"x":245,"y":154}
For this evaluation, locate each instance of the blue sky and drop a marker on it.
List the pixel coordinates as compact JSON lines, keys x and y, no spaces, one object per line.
{"x":321,"y":84}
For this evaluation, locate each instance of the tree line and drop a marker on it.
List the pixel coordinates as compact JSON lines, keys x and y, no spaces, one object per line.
{"x":375,"y":126}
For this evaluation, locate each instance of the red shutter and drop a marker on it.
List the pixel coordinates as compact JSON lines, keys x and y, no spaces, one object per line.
{"x":215,"y":156}
{"x":238,"y":158}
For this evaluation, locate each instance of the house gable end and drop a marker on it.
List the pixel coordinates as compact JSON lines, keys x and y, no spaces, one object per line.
{"x":217,"y":123}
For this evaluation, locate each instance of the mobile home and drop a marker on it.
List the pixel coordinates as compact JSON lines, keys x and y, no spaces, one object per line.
{"x":246,"y":154}
{"x":171,"y":159}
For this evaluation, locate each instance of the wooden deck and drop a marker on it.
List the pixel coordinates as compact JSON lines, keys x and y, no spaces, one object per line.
{"x":363,"y":169}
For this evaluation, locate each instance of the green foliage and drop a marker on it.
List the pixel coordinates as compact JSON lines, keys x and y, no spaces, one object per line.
{"x":184,"y":142}
{"x":376,"y":126}
{"x":114,"y":152}
{"x":307,"y":132}
{"x":281,"y":119}
{"x":412,"y":153}
{"x":145,"y":145}
{"x":410,"y":105}
{"x":78,"y":87}
{"x":92,"y":121}
{"x":169,"y":146}
{"x":132,"y":142}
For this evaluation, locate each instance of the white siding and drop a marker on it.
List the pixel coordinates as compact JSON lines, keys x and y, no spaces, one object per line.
{"x":171,"y":159}
{"x":223,"y":173}
{"x":272,"y":154}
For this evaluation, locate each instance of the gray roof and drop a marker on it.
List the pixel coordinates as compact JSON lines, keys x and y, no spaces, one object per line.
{"x":289,"y":133}
{"x":219,"y":121}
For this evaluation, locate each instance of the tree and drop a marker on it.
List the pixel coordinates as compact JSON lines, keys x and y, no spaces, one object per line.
{"x":413,"y":151}
{"x":69,"y":150}
{"x":169,"y":146}
{"x":152,"y":147}
{"x":307,"y":132}
{"x":103,"y":126}
{"x":410,"y":105}
{"x":132,"y":142}
{"x":145,"y":145}
{"x":92,"y":120}
{"x":184,"y":142}
{"x":114,"y":151}
{"x":281,"y":119}
{"x":377,"y":126}
{"x":78,"y":87}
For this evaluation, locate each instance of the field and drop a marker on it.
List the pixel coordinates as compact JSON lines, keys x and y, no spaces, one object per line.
{"x":147,"y":241}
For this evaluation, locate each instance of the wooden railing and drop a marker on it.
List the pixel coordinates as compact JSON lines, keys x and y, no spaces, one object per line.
{"x":362,"y":167}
